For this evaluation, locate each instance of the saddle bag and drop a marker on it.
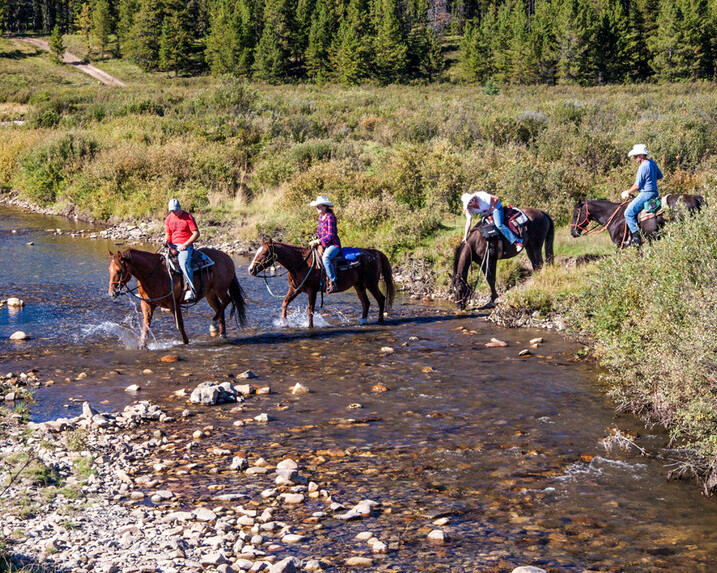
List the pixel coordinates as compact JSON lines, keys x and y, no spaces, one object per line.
{"x":652,"y":206}
{"x":489,"y":231}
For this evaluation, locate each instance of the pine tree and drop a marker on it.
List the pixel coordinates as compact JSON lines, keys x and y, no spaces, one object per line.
{"x":84,"y":24}
{"x":543,"y":42}
{"x":321,"y":37}
{"x":424,"y":51}
{"x":230,"y":43}
{"x":577,"y":61}
{"x":274,"y":48}
{"x":672,"y":56}
{"x":3,"y":15}
{"x":352,"y":54}
{"x":521,"y":67}
{"x":101,"y":25}
{"x":476,"y":55}
{"x":127,"y":11}
{"x":175,"y":44}
{"x":143,"y":42}
{"x":57,"y":46}
{"x":302,"y":29}
{"x":500,"y":40}
{"x":390,"y":48}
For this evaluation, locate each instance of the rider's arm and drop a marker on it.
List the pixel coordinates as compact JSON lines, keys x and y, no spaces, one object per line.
{"x":469,"y":220}
{"x":190,"y":240}
{"x":493,"y":202}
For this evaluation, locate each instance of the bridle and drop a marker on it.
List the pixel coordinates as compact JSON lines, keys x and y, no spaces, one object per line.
{"x":125,"y":276}
{"x":583,"y":225}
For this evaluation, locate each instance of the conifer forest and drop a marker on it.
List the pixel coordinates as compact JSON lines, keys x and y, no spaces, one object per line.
{"x":584,"y":42}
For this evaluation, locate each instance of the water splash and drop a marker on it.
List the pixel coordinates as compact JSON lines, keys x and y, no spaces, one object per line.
{"x":122,"y":332}
{"x":299,"y":318}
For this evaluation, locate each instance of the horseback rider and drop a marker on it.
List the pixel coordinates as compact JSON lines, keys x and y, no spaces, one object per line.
{"x":181,"y":231}
{"x":327,"y":238}
{"x":486,"y":204}
{"x":648,"y":174}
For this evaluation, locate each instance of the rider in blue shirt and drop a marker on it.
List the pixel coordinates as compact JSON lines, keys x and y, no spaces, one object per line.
{"x":646,"y":183}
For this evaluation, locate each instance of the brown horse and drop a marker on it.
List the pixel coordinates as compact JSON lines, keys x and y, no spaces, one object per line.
{"x":157,"y":288}
{"x":540,"y":230}
{"x":610,"y":216}
{"x":304,"y":270}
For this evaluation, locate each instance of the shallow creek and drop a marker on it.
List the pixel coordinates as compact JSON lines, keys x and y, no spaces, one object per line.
{"x":507,"y":447}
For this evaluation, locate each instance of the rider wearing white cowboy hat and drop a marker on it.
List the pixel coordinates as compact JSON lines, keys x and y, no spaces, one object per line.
{"x":327,"y":238}
{"x":486,"y":204}
{"x":646,"y":179}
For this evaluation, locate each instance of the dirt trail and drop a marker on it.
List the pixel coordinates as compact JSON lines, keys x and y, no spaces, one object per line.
{"x":73,"y":60}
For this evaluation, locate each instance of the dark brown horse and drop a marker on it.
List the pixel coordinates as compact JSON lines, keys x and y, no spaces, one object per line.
{"x":157,"y":288}
{"x":540,"y":231}
{"x":305,"y":275}
{"x":610,"y":216}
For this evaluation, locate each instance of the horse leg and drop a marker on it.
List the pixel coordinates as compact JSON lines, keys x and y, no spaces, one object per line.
{"x":490,"y":273}
{"x":365,"y":303}
{"x":534,"y":255}
{"x":284,"y":305}
{"x":218,"y":308}
{"x":312,"y":302}
{"x":380,"y":299}
{"x":225,"y":299}
{"x":147,"y":313}
{"x":177,"y":313}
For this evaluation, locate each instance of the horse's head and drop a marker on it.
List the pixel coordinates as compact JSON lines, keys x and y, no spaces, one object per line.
{"x":264,"y":258}
{"x":580,"y":220}
{"x":462,"y":291}
{"x":119,"y":273}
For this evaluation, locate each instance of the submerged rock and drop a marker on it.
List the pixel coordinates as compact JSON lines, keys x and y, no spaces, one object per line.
{"x":19,"y":335}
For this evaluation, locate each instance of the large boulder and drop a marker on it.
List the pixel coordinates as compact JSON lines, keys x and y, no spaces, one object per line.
{"x":209,"y":393}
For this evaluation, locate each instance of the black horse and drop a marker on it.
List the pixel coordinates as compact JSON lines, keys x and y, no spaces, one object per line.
{"x":539,"y":230}
{"x":611,"y":216}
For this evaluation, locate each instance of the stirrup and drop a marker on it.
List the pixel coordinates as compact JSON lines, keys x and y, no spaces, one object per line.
{"x":330,"y":286}
{"x":188,"y":296}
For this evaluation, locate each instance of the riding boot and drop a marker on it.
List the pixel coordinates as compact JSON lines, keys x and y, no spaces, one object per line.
{"x":636,"y":239}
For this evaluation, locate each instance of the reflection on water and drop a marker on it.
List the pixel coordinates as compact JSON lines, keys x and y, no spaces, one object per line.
{"x":507,"y":447}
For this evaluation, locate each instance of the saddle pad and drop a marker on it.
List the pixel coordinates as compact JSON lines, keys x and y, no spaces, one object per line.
{"x":199,"y":261}
{"x":644,"y":216}
{"x":350,"y":253}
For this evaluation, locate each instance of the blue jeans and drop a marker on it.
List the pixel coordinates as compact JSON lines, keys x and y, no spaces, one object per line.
{"x":328,"y":256}
{"x":635,"y":207}
{"x":500,"y":224}
{"x":185,"y":258}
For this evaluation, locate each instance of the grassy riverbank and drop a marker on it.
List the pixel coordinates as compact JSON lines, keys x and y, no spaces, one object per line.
{"x":247,"y":158}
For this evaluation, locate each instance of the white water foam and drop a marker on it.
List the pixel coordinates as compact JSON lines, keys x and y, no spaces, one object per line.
{"x":599,"y":466}
{"x":127,"y":334}
{"x":300,"y":319}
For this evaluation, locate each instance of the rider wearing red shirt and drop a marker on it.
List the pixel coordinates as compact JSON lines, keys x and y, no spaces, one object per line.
{"x":180,"y":232}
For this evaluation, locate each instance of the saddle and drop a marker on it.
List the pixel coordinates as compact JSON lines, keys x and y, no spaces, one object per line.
{"x":515,"y":218}
{"x":348,"y":258}
{"x":199,"y":262}
{"x":651,"y":216}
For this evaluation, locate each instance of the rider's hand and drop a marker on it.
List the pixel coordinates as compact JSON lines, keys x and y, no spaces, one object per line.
{"x":314,"y":243}
{"x":626,"y":194}
{"x":182,"y":247}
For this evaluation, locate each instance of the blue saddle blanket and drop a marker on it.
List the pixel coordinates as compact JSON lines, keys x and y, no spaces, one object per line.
{"x":350,"y":253}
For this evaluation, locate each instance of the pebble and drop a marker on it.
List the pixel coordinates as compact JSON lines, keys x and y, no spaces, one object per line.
{"x":387,"y":350}
{"x":359,"y":562}
{"x":300,"y":389}
{"x":538,"y":340}
{"x":528,"y":569}
{"x":19,"y":335}
{"x":437,"y":536}
{"x":133,"y":388}
{"x":169,"y":358}
{"x":525,"y":352}
{"x":15,"y":302}
{"x":495,"y":343}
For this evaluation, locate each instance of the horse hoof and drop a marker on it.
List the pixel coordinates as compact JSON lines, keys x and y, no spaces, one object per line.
{"x":213,"y":333}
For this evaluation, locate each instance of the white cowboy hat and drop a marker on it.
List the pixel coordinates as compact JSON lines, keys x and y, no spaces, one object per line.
{"x":173,"y":204}
{"x":466,"y":198}
{"x":321,"y":200}
{"x":638,"y":149}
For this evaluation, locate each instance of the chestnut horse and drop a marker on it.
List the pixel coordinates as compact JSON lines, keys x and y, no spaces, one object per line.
{"x":157,"y":288}
{"x":540,"y":230}
{"x":611,"y":216}
{"x":304,"y":270}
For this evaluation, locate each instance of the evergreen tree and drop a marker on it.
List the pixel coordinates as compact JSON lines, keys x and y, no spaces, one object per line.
{"x":127,"y":11}
{"x":302,"y":29}
{"x":352,"y":54}
{"x":101,"y":25}
{"x":543,"y":42}
{"x":57,"y":46}
{"x":84,"y":24}
{"x":424,"y":51}
{"x":638,"y":68}
{"x":321,"y":37}
{"x":500,"y":40}
{"x":3,"y":16}
{"x":390,"y":48}
{"x":577,"y":62}
{"x":476,"y":56}
{"x":143,"y":41}
{"x":274,"y":48}
{"x":230,"y":43}
{"x":175,"y":44}
{"x":522,"y":68}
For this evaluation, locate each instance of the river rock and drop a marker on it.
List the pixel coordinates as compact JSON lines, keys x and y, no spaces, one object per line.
{"x":387,"y":350}
{"x":262,"y":418}
{"x":292,"y":498}
{"x":300,"y":389}
{"x":287,"y":464}
{"x":528,"y":569}
{"x":213,"y":559}
{"x":88,"y":411}
{"x":287,"y":565}
{"x":437,"y":536}
{"x":15,"y":302}
{"x":495,"y":343}
{"x":204,"y":514}
{"x":19,"y":335}
{"x":359,"y":562}
{"x":239,"y":464}
{"x":380,"y":387}
{"x":133,"y":388}
{"x":246,"y":375}
{"x":169,"y":358}
{"x":525,"y":352}
{"x":209,"y":393}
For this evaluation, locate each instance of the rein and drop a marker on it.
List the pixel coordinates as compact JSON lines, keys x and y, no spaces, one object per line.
{"x":585,"y":230}
{"x":483,"y":268}
{"x":274,"y":260}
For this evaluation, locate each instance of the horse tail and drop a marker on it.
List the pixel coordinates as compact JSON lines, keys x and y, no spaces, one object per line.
{"x":700,"y":202}
{"x":549,"y":238}
{"x":388,"y":279}
{"x":238,"y":305}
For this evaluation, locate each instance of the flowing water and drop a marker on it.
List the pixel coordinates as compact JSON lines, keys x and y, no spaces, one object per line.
{"x":507,"y":447}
